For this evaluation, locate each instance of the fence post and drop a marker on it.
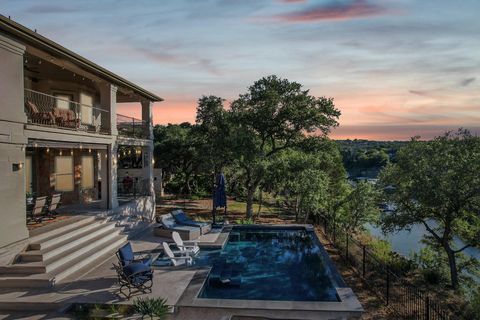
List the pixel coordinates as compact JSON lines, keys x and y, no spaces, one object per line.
{"x":388,"y":286}
{"x":427,"y":308}
{"x":363,"y":260}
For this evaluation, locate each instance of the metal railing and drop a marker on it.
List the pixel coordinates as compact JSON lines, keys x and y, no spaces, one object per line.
{"x":133,"y":187}
{"x":403,"y":298}
{"x":53,"y":111}
{"x":131,"y":127}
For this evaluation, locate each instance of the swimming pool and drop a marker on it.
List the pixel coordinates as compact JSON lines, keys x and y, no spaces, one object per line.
{"x":269,"y":263}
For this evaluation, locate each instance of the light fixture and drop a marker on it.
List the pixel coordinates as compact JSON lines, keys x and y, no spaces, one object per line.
{"x":74,"y":75}
{"x":26,"y":60}
{"x":60,"y":153}
{"x":39,"y":61}
{"x":153,"y":161}
{"x":81,"y":146}
{"x":48,"y":150}
{"x":89,"y":150}
{"x":17,"y":166}
{"x":71,"y":152}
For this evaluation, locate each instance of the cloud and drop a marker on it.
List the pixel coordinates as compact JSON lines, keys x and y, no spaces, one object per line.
{"x":418,"y":92}
{"x":335,"y":11}
{"x":292,"y":1}
{"x":466,"y":82}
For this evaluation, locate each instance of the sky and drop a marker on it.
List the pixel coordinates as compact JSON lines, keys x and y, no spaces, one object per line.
{"x":396,"y":69}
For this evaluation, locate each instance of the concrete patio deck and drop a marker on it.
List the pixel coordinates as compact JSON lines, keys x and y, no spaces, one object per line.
{"x":99,"y":285}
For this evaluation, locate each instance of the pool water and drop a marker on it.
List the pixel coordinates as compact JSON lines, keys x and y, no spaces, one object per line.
{"x":268,"y":264}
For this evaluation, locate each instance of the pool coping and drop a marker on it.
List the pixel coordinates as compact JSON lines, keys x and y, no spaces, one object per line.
{"x":348,"y":303}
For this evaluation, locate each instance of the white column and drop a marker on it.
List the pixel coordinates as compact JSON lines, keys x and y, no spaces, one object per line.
{"x":108,"y":101}
{"x":148,"y":154}
{"x":112,"y":164}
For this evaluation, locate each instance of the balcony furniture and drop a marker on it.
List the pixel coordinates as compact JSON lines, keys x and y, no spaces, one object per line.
{"x":168,"y":226}
{"x":37,"y":116}
{"x":176,"y":260}
{"x":126,"y":256}
{"x":66,"y":118}
{"x":135,"y":276}
{"x":190,"y":248}
{"x":38,"y":213}
{"x":53,"y":205}
{"x":182,"y":219}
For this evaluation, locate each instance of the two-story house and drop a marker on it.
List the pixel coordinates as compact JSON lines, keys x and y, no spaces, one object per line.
{"x":60,"y":132}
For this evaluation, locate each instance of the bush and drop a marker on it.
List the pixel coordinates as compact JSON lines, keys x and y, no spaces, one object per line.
{"x":432,"y":265}
{"x":153,"y":307}
{"x":245,"y":221}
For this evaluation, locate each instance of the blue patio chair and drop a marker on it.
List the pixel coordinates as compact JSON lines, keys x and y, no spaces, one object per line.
{"x":126,"y":256}
{"x":135,"y":276}
{"x":181,"y":218}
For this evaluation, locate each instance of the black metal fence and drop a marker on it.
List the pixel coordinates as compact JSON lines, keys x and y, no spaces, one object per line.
{"x":404,"y":299}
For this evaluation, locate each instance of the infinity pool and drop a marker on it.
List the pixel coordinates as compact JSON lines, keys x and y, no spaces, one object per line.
{"x":264,"y":263}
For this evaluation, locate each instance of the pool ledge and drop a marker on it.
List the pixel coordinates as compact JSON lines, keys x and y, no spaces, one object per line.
{"x":347,"y":308}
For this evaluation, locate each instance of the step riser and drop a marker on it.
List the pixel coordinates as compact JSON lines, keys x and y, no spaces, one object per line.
{"x":29,"y":307}
{"x":45,"y":245}
{"x":24,"y":283}
{"x":65,"y":259}
{"x":111,"y":248}
{"x":71,"y":226}
{"x":84,"y":239}
{"x":19,"y":269}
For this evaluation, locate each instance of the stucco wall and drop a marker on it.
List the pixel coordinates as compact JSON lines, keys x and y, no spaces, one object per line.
{"x":12,"y":142}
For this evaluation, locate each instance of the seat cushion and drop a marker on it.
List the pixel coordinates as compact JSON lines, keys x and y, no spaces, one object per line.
{"x":136,"y":268}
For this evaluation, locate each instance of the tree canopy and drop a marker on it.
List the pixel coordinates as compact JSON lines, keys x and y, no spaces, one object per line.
{"x":437,"y":184}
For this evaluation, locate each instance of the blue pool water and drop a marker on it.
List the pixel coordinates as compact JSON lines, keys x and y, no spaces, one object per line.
{"x":268,"y":264}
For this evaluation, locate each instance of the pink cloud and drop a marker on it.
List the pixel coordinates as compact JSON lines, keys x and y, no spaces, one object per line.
{"x":336,"y":11}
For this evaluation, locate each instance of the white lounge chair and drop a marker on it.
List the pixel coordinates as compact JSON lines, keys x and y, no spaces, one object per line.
{"x":191,"y":248}
{"x":176,"y":261}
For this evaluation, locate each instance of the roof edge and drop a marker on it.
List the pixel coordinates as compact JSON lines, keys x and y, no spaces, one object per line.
{"x":23,"y":33}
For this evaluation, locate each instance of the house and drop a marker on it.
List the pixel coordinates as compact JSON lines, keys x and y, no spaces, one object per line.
{"x":60,"y":133}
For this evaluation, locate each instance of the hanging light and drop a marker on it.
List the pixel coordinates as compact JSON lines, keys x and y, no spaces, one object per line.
{"x":81,"y":146}
{"x":60,"y":153}
{"x":71,"y":152}
{"x":89,"y":150}
{"x":48,"y":150}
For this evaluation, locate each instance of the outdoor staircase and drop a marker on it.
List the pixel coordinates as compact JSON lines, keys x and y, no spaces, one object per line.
{"x":72,"y":246}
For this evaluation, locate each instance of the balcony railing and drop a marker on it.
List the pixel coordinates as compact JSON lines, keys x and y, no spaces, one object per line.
{"x":133,"y":187}
{"x":53,"y":111}
{"x":131,"y":127}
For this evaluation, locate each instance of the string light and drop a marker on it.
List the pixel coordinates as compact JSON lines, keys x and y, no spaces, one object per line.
{"x":71,"y":152}
{"x":89,"y":150}
{"x":60,"y":153}
{"x":48,"y":150}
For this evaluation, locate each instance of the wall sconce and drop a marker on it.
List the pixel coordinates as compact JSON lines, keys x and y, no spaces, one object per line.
{"x":17,"y":166}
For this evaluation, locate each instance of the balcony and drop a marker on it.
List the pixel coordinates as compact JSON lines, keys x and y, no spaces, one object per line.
{"x":47,"y":110}
{"x":132,"y":128}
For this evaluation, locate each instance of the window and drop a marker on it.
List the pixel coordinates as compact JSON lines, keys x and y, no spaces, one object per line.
{"x":28,"y":174}
{"x":63,"y":101}
{"x":87,"y":172}
{"x":64,"y":173}
{"x":86,"y":103}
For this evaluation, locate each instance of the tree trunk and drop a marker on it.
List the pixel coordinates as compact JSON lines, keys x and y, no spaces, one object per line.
{"x":452,"y":262}
{"x":250,"y":195}
{"x":306,"y":218}
{"x":260,"y":200}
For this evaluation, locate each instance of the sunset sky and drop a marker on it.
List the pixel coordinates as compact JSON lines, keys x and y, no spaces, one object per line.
{"x":395,"y":68}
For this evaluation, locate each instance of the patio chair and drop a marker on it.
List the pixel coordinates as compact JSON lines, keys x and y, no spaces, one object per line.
{"x":38,"y":213}
{"x":181,"y":218}
{"x":134,"y":276}
{"x":37,"y":116}
{"x":126,"y":256}
{"x":187,"y":249}
{"x":176,"y":260}
{"x":53,"y":205}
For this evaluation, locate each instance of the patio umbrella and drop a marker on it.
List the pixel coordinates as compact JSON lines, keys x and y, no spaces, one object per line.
{"x":219,"y":196}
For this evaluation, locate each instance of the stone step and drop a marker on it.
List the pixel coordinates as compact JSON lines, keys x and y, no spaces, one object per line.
{"x":51,"y":230}
{"x":63,"y":235}
{"x":85,"y":262}
{"x":30,"y":307}
{"x":90,"y":259}
{"x":61,"y":247}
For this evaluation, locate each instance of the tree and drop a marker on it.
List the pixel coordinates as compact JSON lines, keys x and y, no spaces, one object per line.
{"x":274,"y":115}
{"x":176,"y":151}
{"x":437,"y":184}
{"x":360,"y":207}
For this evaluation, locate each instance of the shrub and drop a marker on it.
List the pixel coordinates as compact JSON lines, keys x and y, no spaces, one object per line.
{"x":244,"y":221}
{"x":432,"y":265}
{"x":153,"y":307}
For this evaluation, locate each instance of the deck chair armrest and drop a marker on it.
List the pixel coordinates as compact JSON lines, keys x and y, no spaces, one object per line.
{"x":191,"y":243}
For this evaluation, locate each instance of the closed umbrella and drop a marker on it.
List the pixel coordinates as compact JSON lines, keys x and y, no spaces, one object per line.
{"x":219,"y":196}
